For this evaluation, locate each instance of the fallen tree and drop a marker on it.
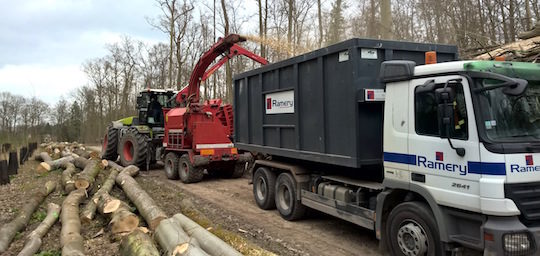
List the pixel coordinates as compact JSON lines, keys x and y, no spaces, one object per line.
{"x":138,"y":243}
{"x":70,"y":235}
{"x":89,"y":210}
{"x":122,"y":220}
{"x":10,"y":229}
{"x":33,"y":243}
{"x":172,"y":238}
{"x":208,"y":241}
{"x":151,"y":213}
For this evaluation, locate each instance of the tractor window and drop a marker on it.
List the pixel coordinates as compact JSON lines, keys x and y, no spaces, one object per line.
{"x":426,"y":120}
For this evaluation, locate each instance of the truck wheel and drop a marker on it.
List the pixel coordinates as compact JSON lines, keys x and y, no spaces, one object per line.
{"x":171,"y":166}
{"x":264,"y":185}
{"x":110,"y":144}
{"x":188,"y":173}
{"x":133,"y":146}
{"x":289,"y":208}
{"x":411,"y":230}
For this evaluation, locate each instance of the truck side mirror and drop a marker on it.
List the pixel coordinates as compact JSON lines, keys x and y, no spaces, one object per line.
{"x":445,"y":110}
{"x":445,"y":114}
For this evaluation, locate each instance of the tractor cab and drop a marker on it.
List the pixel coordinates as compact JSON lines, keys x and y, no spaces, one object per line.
{"x":150,"y":106}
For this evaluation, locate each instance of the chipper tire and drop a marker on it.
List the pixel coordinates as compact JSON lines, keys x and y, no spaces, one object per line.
{"x":189,"y":173}
{"x":288,"y":206}
{"x":110,"y":144}
{"x":133,"y":147}
{"x":171,"y":166}
{"x":264,"y":185}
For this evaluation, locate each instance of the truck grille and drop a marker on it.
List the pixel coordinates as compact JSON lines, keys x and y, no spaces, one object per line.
{"x":526,"y":196}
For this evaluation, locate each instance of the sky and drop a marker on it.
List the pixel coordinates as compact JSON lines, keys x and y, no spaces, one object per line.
{"x":43,"y":43}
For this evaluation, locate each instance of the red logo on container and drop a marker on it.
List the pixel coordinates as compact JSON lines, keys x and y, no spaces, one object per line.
{"x":269,"y":103}
{"x":370,"y":95}
{"x":439,"y":156}
{"x":529,"y":160}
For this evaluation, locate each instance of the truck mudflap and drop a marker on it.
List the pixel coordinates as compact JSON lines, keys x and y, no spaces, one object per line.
{"x":508,"y":236}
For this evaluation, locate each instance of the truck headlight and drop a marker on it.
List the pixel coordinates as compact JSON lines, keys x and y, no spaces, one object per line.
{"x":518,"y":244}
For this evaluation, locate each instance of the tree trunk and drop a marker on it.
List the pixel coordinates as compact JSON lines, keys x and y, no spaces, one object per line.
{"x":138,"y":243}
{"x":319,"y":18}
{"x":34,"y":239}
{"x":67,"y":177}
{"x":70,"y":236}
{"x":386,"y":19}
{"x":86,"y":178}
{"x":208,"y":241}
{"x":122,"y":220}
{"x":173,"y":240}
{"x":89,"y":211}
{"x":10,"y":229}
{"x":151,"y":213}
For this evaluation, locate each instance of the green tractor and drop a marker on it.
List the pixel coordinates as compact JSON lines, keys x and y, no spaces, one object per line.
{"x":136,"y":138}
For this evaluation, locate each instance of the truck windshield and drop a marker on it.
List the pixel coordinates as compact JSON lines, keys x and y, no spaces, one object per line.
{"x":504,"y":117}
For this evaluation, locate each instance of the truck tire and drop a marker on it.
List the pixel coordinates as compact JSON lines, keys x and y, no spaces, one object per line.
{"x":188,"y":173}
{"x":133,"y":146}
{"x":110,"y":144}
{"x":411,"y":230}
{"x":289,"y":208}
{"x":264,"y":185}
{"x":171,"y":166}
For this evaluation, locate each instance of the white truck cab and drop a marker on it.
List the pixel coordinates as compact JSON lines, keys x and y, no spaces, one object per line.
{"x":465,"y":137}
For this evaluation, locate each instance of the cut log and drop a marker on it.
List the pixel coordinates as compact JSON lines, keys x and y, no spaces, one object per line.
{"x":70,"y":235}
{"x":82,"y":153}
{"x":86,"y":178}
{"x":122,"y":220}
{"x":34,"y":239}
{"x":9,"y":230}
{"x":115,"y":165}
{"x":81,"y":162}
{"x":67,"y":177}
{"x":151,"y":213}
{"x":89,"y":210}
{"x":47,"y":166}
{"x":172,"y":238}
{"x":43,"y":157}
{"x":208,"y":241}
{"x":138,"y":243}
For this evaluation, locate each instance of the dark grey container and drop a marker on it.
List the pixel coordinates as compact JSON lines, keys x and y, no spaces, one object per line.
{"x":331,"y":122}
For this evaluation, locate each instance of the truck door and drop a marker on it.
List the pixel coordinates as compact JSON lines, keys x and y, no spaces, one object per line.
{"x":449,"y":177}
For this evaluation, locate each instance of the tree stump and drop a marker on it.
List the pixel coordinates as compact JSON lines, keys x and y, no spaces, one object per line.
{"x":13,"y":163}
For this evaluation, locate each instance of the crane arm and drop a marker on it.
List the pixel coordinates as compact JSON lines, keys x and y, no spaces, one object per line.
{"x":235,"y":50}
{"x":223,"y":45}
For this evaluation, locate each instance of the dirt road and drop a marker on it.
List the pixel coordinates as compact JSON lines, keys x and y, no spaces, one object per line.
{"x":230,"y":203}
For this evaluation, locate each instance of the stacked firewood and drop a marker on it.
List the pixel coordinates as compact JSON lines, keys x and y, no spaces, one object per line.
{"x":176,"y":235}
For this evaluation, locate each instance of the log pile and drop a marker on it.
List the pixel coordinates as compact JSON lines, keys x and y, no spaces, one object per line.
{"x":527,"y":50}
{"x":177,"y":235}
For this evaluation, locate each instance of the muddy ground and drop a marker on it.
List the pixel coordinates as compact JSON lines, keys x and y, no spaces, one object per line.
{"x":224,"y":206}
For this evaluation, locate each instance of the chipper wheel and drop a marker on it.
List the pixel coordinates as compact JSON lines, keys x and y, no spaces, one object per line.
{"x":110,"y":144}
{"x":189,"y":173}
{"x":133,"y":146}
{"x":171,"y":166}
